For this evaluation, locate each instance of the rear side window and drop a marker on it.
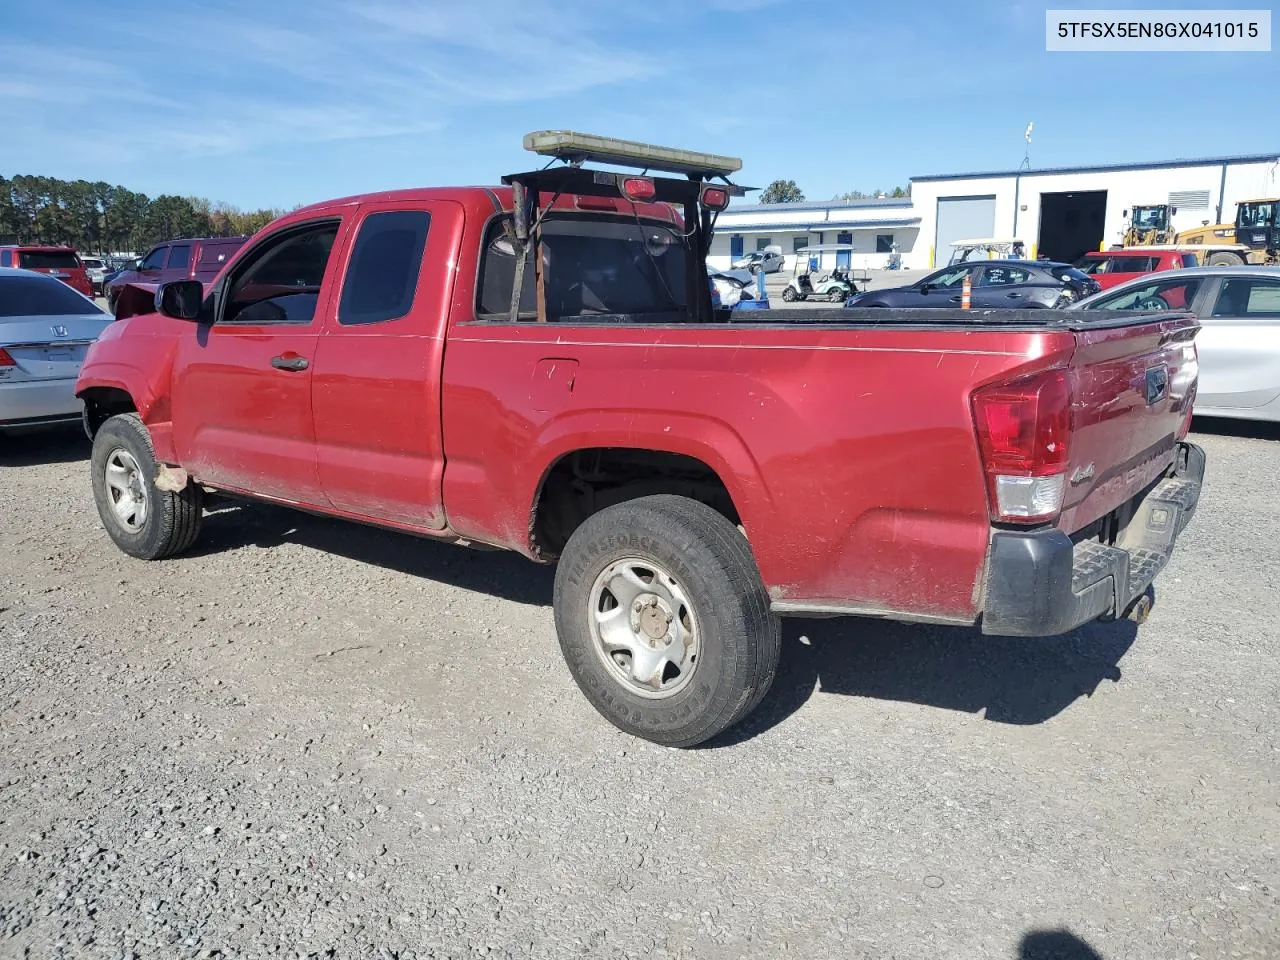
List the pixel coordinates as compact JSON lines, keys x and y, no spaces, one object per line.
{"x":48,"y":260}
{"x":594,"y":266}
{"x":214,"y":254}
{"x":1132,"y":264}
{"x":180,"y":256}
{"x":6,"y":258}
{"x":1248,"y":297}
{"x":383,"y":272}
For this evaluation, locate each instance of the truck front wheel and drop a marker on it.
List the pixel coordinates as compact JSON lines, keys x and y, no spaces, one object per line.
{"x":143,"y":520}
{"x":664,"y":621}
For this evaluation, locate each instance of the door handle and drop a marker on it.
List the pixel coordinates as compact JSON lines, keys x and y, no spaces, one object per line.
{"x":289,"y":361}
{"x":1014,"y":296}
{"x":955,"y":299}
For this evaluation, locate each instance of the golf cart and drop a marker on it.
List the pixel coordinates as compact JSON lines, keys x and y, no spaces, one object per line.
{"x":962,"y":251}
{"x":835,"y":286}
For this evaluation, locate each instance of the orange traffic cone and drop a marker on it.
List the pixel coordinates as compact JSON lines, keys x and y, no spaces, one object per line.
{"x":966,"y":293}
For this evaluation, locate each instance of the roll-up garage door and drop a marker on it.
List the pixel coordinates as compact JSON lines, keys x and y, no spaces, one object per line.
{"x":962,"y":218}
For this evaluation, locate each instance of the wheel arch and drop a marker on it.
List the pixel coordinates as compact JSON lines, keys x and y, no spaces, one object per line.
{"x":582,"y":476}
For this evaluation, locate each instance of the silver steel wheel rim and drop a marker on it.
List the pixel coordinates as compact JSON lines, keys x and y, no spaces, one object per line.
{"x":643,"y":628}
{"x":125,"y":489}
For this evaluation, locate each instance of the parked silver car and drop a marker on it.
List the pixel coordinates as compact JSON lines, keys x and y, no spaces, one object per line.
{"x":1239,"y":339}
{"x":757,"y":261}
{"x":45,"y":329}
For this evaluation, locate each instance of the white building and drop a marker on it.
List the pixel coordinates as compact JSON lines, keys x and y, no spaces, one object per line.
{"x":871,"y":226}
{"x":1059,"y":212}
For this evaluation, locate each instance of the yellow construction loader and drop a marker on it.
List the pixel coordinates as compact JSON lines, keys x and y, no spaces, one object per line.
{"x":1253,"y":238}
{"x":1147,"y":225}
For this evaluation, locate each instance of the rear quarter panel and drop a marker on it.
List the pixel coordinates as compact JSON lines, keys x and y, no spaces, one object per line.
{"x":849,"y":453}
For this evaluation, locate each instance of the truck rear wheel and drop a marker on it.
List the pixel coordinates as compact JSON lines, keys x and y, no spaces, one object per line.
{"x":1224,"y":258}
{"x":664,"y":621}
{"x":143,"y":520}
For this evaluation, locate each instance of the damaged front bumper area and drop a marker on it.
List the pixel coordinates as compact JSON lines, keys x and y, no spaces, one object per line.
{"x":1040,"y":583}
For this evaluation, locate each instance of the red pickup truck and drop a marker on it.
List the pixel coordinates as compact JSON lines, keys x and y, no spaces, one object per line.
{"x":194,"y":258}
{"x":538,"y":367}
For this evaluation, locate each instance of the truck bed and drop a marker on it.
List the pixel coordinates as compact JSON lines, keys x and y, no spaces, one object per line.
{"x":1011,"y":320}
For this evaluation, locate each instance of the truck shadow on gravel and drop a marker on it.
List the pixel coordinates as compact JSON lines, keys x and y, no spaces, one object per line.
{"x":229,"y":525}
{"x":33,"y":446}
{"x":1008,"y":679}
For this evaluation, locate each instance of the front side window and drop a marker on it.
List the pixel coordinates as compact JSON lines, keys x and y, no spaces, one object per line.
{"x":280,"y":281}
{"x":1175,"y":294}
{"x":593,"y":266}
{"x":180,"y":256}
{"x":1248,"y":297}
{"x":6,"y":258}
{"x":383,"y":272}
{"x":951,"y":277}
{"x":155,"y":259}
{"x":1190,"y":260}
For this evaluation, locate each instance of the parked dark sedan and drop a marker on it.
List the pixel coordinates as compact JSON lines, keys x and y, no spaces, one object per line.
{"x":994,"y":284}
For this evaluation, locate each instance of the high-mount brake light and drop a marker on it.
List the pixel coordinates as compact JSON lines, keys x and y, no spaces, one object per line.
{"x":715,"y":198}
{"x":1024,"y":432}
{"x":638,"y":188}
{"x":578,"y":147}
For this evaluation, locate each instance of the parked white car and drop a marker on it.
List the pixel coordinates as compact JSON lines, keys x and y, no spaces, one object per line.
{"x":45,"y":329}
{"x":1239,"y":339}
{"x":97,"y":270}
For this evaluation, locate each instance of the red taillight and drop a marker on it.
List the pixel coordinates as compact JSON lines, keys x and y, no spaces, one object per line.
{"x":6,"y":360}
{"x":639,"y":188}
{"x":596,"y":203}
{"x":715,"y":198}
{"x":1024,"y":433}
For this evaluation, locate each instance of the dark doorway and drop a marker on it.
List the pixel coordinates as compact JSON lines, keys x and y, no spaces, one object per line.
{"x":1071,"y":224}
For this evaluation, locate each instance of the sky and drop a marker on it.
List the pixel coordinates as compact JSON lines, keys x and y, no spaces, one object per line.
{"x":273,"y":103}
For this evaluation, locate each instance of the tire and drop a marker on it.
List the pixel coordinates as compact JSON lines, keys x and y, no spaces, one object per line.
{"x":705,"y":590}
{"x":1224,"y":258}
{"x":838,"y":296}
{"x":162,"y":523}
{"x":789,"y":295}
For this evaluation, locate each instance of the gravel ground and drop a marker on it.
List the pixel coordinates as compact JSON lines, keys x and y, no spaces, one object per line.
{"x":313,"y":739}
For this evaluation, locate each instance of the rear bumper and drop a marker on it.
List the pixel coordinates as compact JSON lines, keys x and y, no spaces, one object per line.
{"x":25,"y":402}
{"x":1040,"y":583}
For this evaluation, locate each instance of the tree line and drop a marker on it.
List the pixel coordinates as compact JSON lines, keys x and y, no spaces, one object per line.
{"x":101,"y":218}
{"x":786,"y":191}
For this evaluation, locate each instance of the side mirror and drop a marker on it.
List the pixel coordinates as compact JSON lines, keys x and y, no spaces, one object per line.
{"x":1124,"y":212}
{"x":180,"y":299}
{"x":925,"y":288}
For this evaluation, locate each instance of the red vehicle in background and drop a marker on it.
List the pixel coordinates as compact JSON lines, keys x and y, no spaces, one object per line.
{"x":61,"y":262}
{"x":197,"y":258}
{"x":540,"y":367}
{"x":1112,"y":267}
